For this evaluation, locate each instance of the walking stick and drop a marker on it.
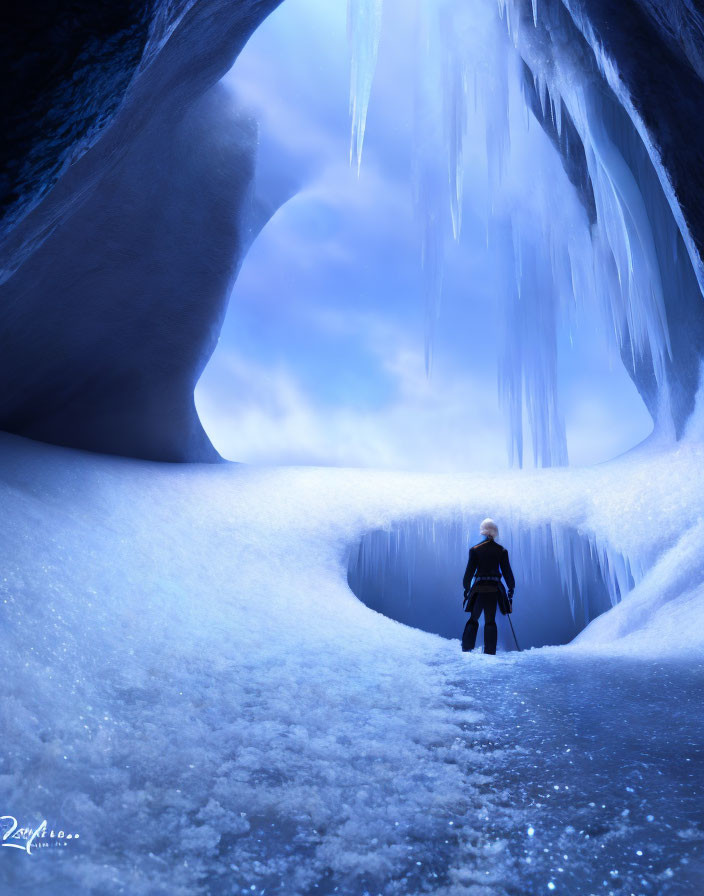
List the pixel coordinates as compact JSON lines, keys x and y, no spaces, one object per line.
{"x":514,"y":634}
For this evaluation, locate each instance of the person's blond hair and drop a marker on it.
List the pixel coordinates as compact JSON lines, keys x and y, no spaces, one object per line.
{"x":489,"y":527}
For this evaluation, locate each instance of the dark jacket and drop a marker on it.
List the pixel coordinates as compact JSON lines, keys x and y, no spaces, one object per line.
{"x":488,"y":559}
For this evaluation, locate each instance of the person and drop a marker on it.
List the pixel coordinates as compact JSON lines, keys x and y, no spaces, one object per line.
{"x":488,"y":561}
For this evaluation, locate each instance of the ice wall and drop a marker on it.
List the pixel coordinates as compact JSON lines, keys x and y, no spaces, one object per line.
{"x":588,"y":225}
{"x":643,"y":274}
{"x":412,"y":571}
{"x":126,"y":265}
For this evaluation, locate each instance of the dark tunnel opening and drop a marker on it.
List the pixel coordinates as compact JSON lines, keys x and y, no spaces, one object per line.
{"x":412,"y":572}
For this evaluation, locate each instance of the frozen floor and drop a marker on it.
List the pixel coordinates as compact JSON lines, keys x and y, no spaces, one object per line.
{"x":599,"y":772}
{"x":189,"y":684}
{"x":541,"y":774}
{"x":578,"y":778}
{"x":575,"y":777}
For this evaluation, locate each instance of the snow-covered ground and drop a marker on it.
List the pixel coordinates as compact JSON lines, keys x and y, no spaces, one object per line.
{"x":190,"y":686}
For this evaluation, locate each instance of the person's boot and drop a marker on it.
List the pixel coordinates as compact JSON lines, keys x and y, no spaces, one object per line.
{"x":490,"y":638}
{"x":469,"y":636}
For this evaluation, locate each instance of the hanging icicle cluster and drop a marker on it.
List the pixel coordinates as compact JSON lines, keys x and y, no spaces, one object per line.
{"x":607,"y":247}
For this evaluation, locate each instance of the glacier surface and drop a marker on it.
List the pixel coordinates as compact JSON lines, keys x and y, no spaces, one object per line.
{"x":194,"y":690}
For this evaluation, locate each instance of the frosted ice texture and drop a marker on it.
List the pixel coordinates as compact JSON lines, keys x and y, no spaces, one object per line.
{"x":618,"y":273}
{"x":192,"y":687}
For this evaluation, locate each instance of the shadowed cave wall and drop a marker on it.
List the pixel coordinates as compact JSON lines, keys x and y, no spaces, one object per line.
{"x":119,"y":277}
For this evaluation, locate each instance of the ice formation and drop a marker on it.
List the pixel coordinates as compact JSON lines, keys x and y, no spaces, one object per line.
{"x":610,"y":252}
{"x":102,"y":342}
{"x":364,"y":28}
{"x":412,"y":572}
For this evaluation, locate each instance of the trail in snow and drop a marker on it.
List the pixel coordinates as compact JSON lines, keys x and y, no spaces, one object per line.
{"x":191,"y":686}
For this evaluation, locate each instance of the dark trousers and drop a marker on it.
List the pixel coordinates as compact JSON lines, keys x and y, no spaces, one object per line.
{"x":484,"y":603}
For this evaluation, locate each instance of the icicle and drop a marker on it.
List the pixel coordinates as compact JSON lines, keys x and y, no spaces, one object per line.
{"x":623,"y":256}
{"x":432,"y":192}
{"x":624,"y":216}
{"x":364,"y":21}
{"x":455,"y":112}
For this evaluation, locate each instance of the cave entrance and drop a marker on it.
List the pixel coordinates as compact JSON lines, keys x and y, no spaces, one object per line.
{"x":412,"y":572}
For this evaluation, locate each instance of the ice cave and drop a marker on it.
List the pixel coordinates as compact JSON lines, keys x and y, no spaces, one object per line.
{"x":410,"y":571}
{"x":294,"y":294}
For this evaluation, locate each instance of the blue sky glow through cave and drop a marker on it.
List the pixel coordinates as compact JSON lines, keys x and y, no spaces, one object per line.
{"x":321,"y":358}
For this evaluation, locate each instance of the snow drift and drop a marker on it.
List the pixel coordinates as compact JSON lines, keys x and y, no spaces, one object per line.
{"x":195,"y":691}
